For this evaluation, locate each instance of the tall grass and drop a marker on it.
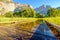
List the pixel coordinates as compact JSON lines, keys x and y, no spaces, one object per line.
{"x":15,"y":19}
{"x":55,"y":20}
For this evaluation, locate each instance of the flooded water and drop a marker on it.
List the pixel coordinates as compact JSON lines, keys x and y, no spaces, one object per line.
{"x":26,"y":31}
{"x":43,"y":33}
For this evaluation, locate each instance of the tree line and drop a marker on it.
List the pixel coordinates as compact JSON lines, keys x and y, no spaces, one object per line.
{"x":24,"y":12}
{"x":28,"y":12}
{"x":53,"y":12}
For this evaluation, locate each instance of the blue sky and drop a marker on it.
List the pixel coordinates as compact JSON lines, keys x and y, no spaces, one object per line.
{"x":37,"y":3}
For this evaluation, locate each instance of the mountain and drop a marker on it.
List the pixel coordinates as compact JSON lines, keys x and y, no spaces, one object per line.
{"x":9,"y":5}
{"x":43,"y":9}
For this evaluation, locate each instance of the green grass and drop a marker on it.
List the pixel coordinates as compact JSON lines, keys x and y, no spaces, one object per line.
{"x":16,"y":19}
{"x":55,"y":20}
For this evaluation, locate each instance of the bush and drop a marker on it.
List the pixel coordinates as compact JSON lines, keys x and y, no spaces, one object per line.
{"x":40,"y":15}
{"x":8,"y":14}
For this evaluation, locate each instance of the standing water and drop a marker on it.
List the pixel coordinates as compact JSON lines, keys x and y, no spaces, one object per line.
{"x":43,"y":33}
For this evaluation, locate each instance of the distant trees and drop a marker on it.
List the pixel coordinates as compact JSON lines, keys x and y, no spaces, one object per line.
{"x":53,"y":12}
{"x":40,"y":15}
{"x":27,"y":12}
{"x":24,"y":12}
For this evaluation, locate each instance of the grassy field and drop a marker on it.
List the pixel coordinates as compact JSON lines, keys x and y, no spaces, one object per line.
{"x":55,"y":20}
{"x":16,"y":19}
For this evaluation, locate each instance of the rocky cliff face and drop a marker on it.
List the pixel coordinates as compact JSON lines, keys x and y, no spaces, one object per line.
{"x":6,"y":7}
{"x":11,"y":6}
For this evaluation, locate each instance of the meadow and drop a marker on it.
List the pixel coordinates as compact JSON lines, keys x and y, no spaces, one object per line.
{"x":16,"y":19}
{"x":55,"y":20}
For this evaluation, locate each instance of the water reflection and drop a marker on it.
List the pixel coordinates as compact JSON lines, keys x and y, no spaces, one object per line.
{"x":43,"y":33}
{"x":26,"y":31}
